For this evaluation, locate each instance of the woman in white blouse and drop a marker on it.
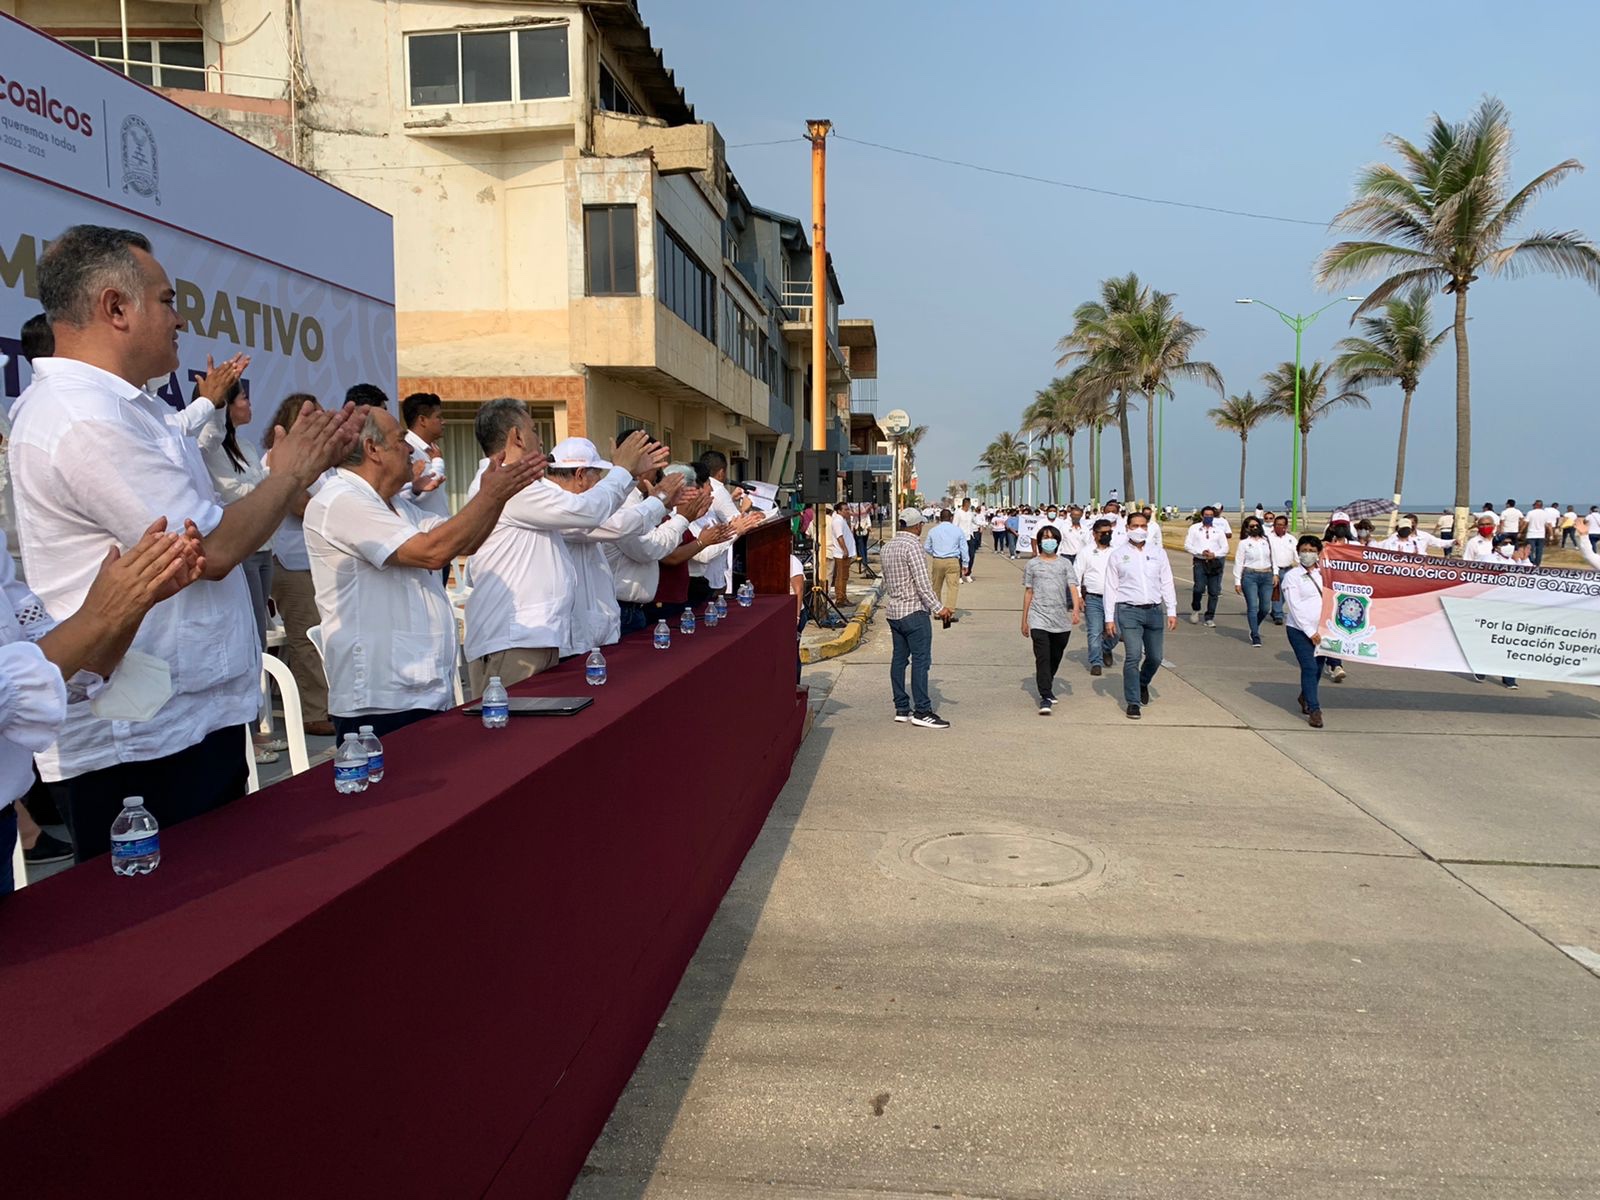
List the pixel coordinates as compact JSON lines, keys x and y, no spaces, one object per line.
{"x":236,"y":469}
{"x":1253,"y":576}
{"x":1302,"y":607}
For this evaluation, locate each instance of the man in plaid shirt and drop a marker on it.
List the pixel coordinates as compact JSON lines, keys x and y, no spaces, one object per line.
{"x":908,"y":599}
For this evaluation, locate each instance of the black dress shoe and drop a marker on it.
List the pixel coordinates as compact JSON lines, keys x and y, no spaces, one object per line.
{"x":1094,"y":670}
{"x":1304,"y":707}
{"x":47,"y":849}
{"x":1133,"y":712}
{"x":1144,"y":694}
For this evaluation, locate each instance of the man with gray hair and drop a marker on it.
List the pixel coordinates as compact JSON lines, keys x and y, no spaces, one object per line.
{"x":96,"y":462}
{"x":388,"y":631}
{"x":525,"y":580}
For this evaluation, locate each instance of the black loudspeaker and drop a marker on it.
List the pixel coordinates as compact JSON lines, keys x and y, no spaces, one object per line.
{"x":858,"y":487}
{"x":819,"y":476}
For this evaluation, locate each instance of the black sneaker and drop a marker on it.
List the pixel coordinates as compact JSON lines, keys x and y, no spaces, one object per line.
{"x":1094,"y":670}
{"x":902,"y":718}
{"x":1133,"y":712}
{"x":1144,"y":694}
{"x":930,"y":720}
{"x":47,"y":849}
{"x":1046,"y":703}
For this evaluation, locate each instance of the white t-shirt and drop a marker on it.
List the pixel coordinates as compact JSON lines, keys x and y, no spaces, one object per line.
{"x":1541,"y":521}
{"x":1591,"y":522}
{"x":1510,"y":519}
{"x":437,"y":501}
{"x":839,"y":533}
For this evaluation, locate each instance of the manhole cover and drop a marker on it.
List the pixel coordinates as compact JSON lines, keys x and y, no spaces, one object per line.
{"x":1002,"y":860}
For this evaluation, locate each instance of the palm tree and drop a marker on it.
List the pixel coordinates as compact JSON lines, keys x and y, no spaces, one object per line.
{"x":1098,"y":411}
{"x":1057,"y":411}
{"x":1157,"y":345}
{"x":1050,"y":458}
{"x":1317,"y":400}
{"x":1241,"y":414}
{"x":1395,"y":348}
{"x":1006,"y":460}
{"x":908,"y":444}
{"x":1446,"y":211}
{"x":1098,"y":341}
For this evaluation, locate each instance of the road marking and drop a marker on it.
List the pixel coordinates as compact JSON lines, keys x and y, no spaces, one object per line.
{"x":1582,"y":955}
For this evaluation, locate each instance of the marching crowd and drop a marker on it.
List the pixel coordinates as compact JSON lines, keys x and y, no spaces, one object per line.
{"x":1106,"y":569}
{"x":151,"y":540}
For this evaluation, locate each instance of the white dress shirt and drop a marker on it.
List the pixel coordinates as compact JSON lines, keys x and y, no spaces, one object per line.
{"x":96,"y":461}
{"x":1283,"y":551}
{"x":524,"y":579}
{"x":388,"y":632}
{"x":1137,"y":575}
{"x":1255,"y":554}
{"x":968,"y":520}
{"x":1075,"y":539}
{"x":232,"y":483}
{"x":1479,"y":549}
{"x":437,"y":501}
{"x":596,"y":615}
{"x":33,"y":697}
{"x":1302,"y":598}
{"x":1091,"y":568}
{"x":1199,"y":539}
{"x":289,"y":539}
{"x":636,"y":561}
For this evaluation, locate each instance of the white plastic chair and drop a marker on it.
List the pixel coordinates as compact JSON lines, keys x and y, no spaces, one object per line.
{"x":275,"y":671}
{"x":19,"y":868}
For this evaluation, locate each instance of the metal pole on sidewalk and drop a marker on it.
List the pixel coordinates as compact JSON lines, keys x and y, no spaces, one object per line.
{"x":818,"y":132}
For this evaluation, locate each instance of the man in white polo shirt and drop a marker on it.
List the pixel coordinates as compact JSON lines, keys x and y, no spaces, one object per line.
{"x":1510,"y":518}
{"x":1537,"y":525}
{"x":388,"y":631}
{"x":96,"y":460}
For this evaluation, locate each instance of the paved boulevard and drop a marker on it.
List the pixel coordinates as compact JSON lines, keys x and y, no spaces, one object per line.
{"x":1270,"y":961}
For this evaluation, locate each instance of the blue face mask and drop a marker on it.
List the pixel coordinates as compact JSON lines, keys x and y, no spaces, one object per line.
{"x":1048,"y":545}
{"x":1206,"y":521}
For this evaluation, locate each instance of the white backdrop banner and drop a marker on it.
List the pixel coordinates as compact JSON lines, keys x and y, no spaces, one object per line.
{"x":266,"y":259}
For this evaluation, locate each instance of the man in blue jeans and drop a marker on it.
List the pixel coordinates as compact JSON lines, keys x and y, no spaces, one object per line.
{"x":1138,"y":587}
{"x":1091,"y":568}
{"x":908,"y":599}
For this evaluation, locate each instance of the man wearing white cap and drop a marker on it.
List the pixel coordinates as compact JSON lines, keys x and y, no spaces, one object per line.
{"x":525,"y":583}
{"x":908,"y":601}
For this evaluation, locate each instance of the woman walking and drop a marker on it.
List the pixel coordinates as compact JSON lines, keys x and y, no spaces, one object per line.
{"x":1302,"y":606}
{"x":1050,"y":608}
{"x":1252,"y":575}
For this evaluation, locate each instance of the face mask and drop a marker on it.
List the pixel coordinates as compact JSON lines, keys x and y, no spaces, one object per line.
{"x":1206,"y":521}
{"x":1137,"y":534}
{"x":1405,"y":531}
{"x":1103,"y":538}
{"x":1507,"y":549}
{"x":1252,"y":531}
{"x":1048,"y":545}
{"x":1486,"y":531}
{"x":1308,"y":559}
{"x":137,"y":689}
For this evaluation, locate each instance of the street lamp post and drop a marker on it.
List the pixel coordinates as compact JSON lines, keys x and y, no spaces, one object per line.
{"x":1298,"y":323}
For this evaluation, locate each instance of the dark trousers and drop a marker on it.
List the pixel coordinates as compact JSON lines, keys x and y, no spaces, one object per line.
{"x":700,"y":590}
{"x":1536,"y":551}
{"x":913,"y":643}
{"x":1047,"y":651}
{"x":1305,"y":654}
{"x":8,"y":846}
{"x":974,"y":544}
{"x":1207,"y":580}
{"x":383,"y":724}
{"x":633,"y":618}
{"x":1569,"y":537}
{"x":1143,"y":630}
{"x":203,"y":777}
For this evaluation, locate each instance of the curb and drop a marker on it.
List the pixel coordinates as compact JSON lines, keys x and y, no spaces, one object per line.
{"x":847,"y":640}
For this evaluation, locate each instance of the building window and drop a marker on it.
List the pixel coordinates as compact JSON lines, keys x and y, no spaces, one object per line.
{"x":627,"y":424}
{"x":160,"y":62}
{"x":493,"y":66}
{"x":684,"y":285}
{"x":611,"y":266}
{"x":613,"y":97}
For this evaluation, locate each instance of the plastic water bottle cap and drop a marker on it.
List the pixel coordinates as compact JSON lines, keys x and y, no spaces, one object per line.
{"x":133,"y":802}
{"x":352,"y":737}
{"x":494,"y":679}
{"x":366,"y":729}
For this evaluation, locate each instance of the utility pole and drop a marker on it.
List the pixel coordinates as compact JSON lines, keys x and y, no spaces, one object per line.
{"x":818,"y":133}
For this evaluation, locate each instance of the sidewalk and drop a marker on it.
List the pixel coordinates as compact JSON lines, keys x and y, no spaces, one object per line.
{"x":1214,"y":953}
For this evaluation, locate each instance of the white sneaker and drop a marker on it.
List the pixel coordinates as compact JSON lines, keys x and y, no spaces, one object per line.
{"x":1194,"y":618}
{"x":1338,"y":674}
{"x":1211,"y":624}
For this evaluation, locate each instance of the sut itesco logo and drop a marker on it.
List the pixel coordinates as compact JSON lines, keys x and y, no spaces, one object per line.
{"x":141,"y":170}
{"x":1350,"y":629}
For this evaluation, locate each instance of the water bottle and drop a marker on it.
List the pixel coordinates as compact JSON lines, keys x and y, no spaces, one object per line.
{"x":135,"y":839}
{"x":350,"y":765}
{"x":722,"y":604}
{"x":663,"y":635}
{"x":496,"y":705}
{"x":687,"y":624}
{"x":711,"y":614}
{"x":747,"y":594}
{"x":594,"y":668}
{"x":374,"y":749}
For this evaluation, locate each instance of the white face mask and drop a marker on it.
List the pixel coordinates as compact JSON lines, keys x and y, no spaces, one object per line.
{"x":1308,"y":559}
{"x":1137,"y":535}
{"x":1507,"y":549}
{"x":136,"y":691}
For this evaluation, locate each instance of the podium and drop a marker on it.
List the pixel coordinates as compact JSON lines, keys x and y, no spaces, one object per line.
{"x":767,"y":548}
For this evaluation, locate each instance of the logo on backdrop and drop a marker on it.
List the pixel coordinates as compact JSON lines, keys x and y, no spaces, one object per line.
{"x":140,"y":167}
{"x":1350,"y":629}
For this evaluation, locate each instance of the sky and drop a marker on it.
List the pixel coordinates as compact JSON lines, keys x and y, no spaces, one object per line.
{"x":972,"y":278}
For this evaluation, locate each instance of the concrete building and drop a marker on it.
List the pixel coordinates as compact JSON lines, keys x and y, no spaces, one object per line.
{"x":567,"y":231}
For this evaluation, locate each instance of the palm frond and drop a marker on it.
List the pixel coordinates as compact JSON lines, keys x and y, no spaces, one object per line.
{"x":1568,"y":254}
